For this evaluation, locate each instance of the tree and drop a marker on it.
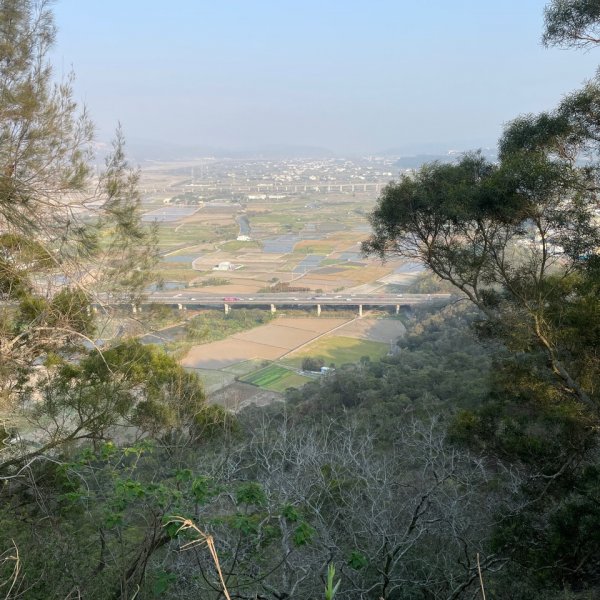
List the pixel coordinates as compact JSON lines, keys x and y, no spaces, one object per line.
{"x":572,"y":23}
{"x":521,"y":240}
{"x":60,"y":229}
{"x":67,"y":239}
{"x":124,"y":264}
{"x":518,"y":240}
{"x":44,"y":151}
{"x":312,"y":364}
{"x":292,"y":498}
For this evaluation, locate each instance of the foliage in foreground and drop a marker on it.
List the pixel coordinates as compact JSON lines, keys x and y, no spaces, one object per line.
{"x":106,"y":452}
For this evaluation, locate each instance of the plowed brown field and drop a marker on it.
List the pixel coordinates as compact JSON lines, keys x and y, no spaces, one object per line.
{"x":265,"y":342}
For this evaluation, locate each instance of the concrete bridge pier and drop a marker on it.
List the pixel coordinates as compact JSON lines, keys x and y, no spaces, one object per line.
{"x":273,"y":308}
{"x":360,"y":311}
{"x":397,"y":309}
{"x":318,"y":310}
{"x":227,"y":308}
{"x":134,"y":309}
{"x":180,"y":306}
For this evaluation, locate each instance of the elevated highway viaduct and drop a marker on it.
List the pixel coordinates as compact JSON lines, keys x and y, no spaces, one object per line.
{"x":193,"y":300}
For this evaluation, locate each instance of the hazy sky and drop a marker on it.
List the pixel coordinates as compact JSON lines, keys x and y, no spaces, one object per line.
{"x":355,"y":76}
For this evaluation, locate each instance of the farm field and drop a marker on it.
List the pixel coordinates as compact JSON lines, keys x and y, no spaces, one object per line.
{"x":285,"y":342}
{"x":376,"y":330}
{"x":280,"y":233}
{"x":338,"y":350}
{"x":275,"y":378}
{"x":218,"y":355}
{"x":268,"y":342}
{"x":295,"y":222}
{"x":238,"y":395}
{"x":245,"y":367}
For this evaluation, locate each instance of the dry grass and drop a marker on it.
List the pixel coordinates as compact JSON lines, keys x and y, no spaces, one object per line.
{"x":201,"y":540}
{"x":10,"y":558}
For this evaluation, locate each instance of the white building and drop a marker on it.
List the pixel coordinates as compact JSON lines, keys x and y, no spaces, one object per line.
{"x":224,"y":266}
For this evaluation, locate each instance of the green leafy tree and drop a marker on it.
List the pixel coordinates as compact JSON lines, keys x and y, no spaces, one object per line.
{"x":520,"y":240}
{"x":129,"y":387}
{"x":312,"y":364}
{"x":572,"y":23}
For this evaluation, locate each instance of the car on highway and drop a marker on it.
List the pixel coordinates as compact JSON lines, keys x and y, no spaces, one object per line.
{"x":231,"y":299}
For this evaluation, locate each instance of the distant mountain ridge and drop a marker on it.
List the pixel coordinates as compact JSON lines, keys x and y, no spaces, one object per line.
{"x":140,"y":151}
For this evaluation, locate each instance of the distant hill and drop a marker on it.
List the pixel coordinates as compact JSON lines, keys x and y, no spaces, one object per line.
{"x":140,"y":151}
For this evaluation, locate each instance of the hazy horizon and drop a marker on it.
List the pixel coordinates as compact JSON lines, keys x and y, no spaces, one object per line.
{"x":351,"y":78}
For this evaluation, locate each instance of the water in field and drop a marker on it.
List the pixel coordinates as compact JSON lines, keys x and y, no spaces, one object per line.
{"x":181,"y":258}
{"x":169,"y":214}
{"x":350,"y":256}
{"x":311,"y":262}
{"x":284,"y":244}
{"x":244,"y":224}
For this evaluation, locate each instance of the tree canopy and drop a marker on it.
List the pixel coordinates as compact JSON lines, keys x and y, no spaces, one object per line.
{"x":520,"y":239}
{"x":572,"y":23}
{"x":471,"y":456}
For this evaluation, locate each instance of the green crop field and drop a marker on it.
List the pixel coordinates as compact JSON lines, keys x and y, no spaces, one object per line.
{"x":275,"y":378}
{"x":339,"y":350}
